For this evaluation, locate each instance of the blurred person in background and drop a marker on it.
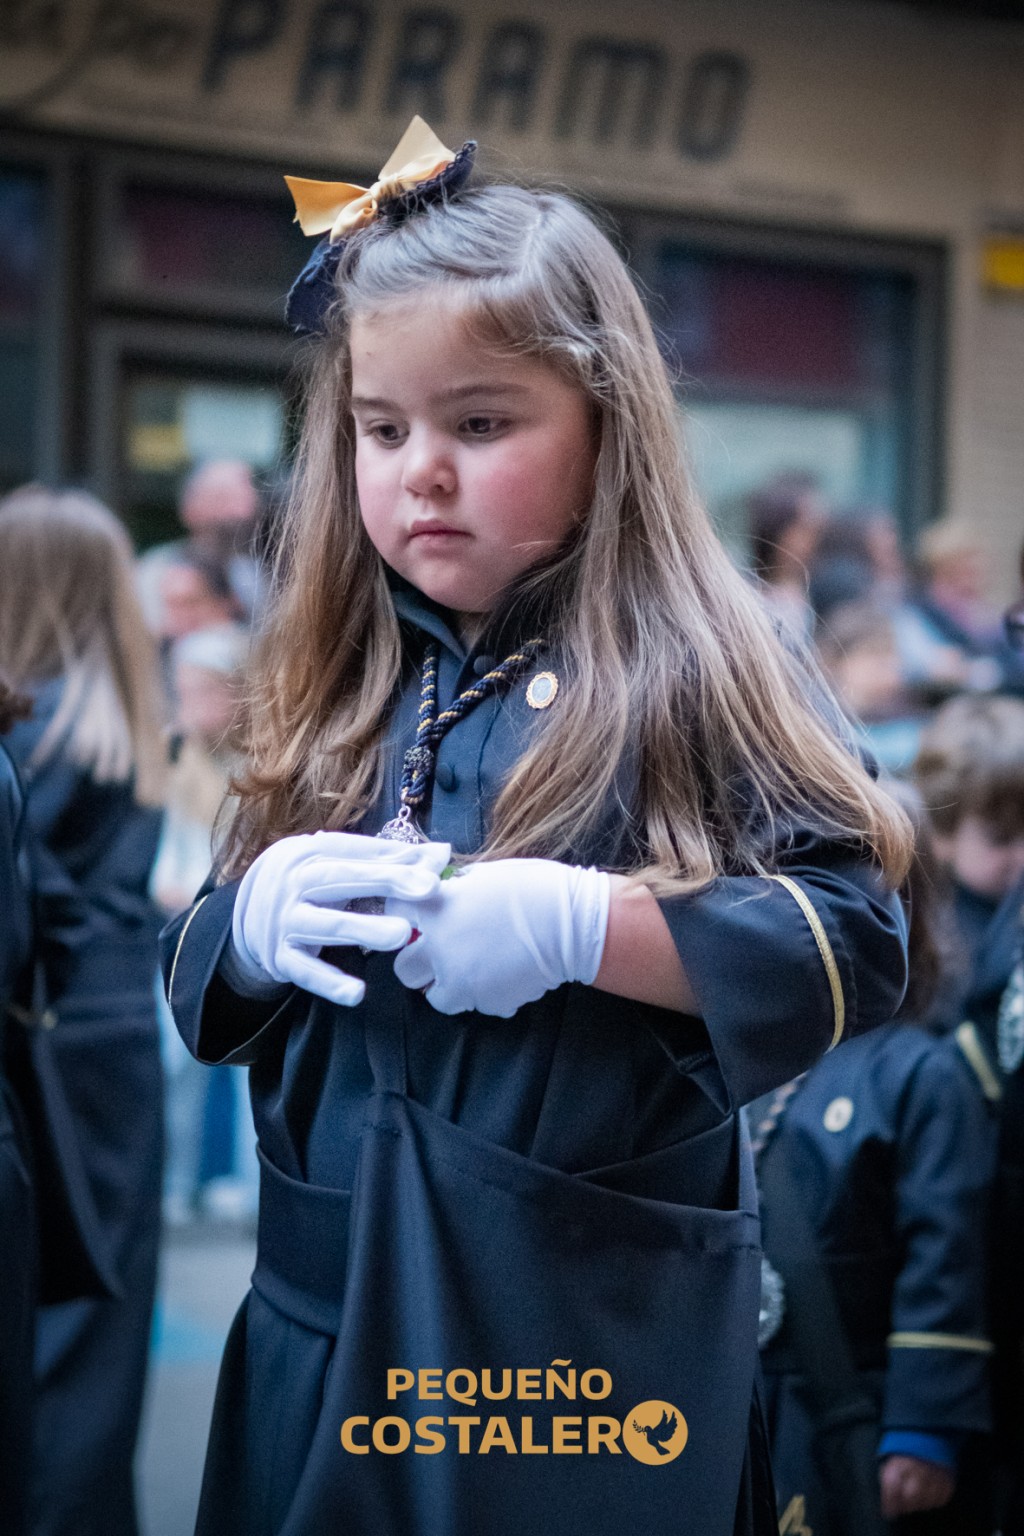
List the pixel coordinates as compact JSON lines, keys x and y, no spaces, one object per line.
{"x":786,"y":518}
{"x":953,"y":600}
{"x":885,"y":554}
{"x":995,"y":1004}
{"x":842,"y":570}
{"x":859,"y":655}
{"x":220,"y":511}
{"x":951,"y":558}
{"x":92,"y":759}
{"x":195,"y":594}
{"x":970,"y":771}
{"x":17,"y":1197}
{"x":216,"y":1174}
{"x":860,"y":559}
{"x":208,"y":668}
{"x":875,"y":1170}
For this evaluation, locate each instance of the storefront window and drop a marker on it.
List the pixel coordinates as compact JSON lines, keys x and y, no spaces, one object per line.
{"x":786,"y":366}
{"x":22,"y":234}
{"x":173,"y":421}
{"x":195,"y":245}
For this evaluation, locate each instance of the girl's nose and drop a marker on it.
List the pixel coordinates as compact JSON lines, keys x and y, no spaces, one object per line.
{"x":427,"y":467}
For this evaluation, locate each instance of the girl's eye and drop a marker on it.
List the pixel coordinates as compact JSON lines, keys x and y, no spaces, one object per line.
{"x":385,"y":432}
{"x":480,"y":426}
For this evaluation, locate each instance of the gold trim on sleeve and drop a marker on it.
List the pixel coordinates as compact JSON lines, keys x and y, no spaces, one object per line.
{"x":803,"y":901}
{"x":177,"y":948}
{"x":974,"y":1053}
{"x":939,"y":1341}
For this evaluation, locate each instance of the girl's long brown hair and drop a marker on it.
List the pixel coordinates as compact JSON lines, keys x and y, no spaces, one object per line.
{"x":68,"y":610}
{"x":669,"y":654}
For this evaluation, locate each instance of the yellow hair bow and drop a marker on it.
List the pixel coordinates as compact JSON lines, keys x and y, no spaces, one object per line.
{"x":342,"y":208}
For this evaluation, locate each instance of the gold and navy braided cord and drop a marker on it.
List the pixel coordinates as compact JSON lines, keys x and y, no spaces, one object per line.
{"x":418,"y":767}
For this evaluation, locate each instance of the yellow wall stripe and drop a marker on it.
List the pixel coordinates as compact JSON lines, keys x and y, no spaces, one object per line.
{"x":938,"y":1341}
{"x":825,"y":949}
{"x":177,"y":949}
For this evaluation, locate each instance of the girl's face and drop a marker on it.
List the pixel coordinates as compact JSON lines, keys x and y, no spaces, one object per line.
{"x":470,"y":465}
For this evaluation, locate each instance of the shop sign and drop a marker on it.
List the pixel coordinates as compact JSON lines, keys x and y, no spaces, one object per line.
{"x":561,"y":80}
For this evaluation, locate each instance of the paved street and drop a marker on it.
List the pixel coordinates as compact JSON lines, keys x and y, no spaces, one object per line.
{"x":205,"y":1273}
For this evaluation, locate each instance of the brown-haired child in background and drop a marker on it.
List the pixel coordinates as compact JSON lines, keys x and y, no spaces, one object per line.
{"x":970,"y":771}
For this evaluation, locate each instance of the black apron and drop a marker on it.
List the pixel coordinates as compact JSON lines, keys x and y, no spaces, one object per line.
{"x":465,"y":1256}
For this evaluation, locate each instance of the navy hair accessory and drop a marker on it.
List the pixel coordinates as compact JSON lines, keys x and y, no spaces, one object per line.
{"x":314,"y":290}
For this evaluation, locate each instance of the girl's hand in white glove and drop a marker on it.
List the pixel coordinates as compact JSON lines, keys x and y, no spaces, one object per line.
{"x":498,"y":935}
{"x":292,"y":899}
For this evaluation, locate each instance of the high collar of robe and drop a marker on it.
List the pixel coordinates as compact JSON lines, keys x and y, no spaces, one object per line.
{"x":420,"y":612}
{"x":513,"y":622}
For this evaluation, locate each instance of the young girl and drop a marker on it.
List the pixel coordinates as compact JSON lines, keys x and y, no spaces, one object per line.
{"x":508,"y":1262}
{"x":72,"y":637}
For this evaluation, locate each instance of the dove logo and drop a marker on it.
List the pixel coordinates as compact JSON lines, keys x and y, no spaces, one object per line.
{"x":655,"y":1432}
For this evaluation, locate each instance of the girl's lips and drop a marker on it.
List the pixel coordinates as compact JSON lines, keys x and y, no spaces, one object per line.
{"x":436,"y":531}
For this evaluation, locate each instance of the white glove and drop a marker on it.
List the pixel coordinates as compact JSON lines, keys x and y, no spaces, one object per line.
{"x":292,"y":900}
{"x":501,"y":934}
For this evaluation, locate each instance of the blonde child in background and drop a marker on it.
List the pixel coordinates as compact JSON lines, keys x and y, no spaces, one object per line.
{"x":208,"y":671}
{"x":72,"y":637}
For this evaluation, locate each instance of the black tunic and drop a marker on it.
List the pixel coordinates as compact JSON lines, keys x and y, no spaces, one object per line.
{"x":994,"y":1006}
{"x":91,"y":1354}
{"x":17,"y":1211}
{"x":891,"y":1142}
{"x":580,"y":1082}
